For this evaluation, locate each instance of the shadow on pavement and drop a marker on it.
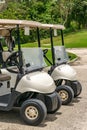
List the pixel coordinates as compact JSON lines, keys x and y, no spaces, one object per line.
{"x":77,"y":99}
{"x":14,"y":117}
{"x":50,"y":118}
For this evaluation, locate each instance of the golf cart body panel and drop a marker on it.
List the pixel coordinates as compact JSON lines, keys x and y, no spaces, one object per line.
{"x":34,"y":82}
{"x":4,"y":81}
{"x":7,"y":96}
{"x":63,"y":71}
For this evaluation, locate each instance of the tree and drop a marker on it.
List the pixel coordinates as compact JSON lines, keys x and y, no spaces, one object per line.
{"x":79,"y":13}
{"x":65,"y":9}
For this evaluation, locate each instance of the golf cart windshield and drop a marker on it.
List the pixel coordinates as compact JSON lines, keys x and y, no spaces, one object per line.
{"x":61,"y":55}
{"x":33,"y":58}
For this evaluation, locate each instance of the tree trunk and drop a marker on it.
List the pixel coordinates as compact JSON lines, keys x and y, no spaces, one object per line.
{"x":79,"y":25}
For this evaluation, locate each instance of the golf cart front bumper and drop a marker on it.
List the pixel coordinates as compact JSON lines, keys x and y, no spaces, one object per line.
{"x":50,"y":100}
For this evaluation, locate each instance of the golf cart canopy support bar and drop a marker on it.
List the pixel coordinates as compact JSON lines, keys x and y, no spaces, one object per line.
{"x":18,"y":37}
{"x":52,"y":49}
{"x":38,"y":37}
{"x":19,"y":50}
{"x":62,"y":37}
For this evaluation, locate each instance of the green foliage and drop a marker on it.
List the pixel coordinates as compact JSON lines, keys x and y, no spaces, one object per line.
{"x":79,"y":13}
{"x":15,"y":11}
{"x":73,"y":40}
{"x":71,"y":13}
{"x":54,"y":11}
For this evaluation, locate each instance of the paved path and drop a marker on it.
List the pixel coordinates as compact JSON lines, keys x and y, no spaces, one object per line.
{"x":71,"y":117}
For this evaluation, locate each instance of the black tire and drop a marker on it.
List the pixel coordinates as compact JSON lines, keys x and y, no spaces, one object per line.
{"x":58,"y":105}
{"x":64,"y":90}
{"x":37,"y":109}
{"x":76,"y":87}
{"x":80,"y":90}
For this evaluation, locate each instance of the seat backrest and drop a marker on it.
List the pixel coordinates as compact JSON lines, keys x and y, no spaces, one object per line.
{"x":5,"y":55}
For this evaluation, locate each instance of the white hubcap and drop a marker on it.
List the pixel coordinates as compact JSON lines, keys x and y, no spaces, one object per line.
{"x":63,"y":94}
{"x":31,"y":112}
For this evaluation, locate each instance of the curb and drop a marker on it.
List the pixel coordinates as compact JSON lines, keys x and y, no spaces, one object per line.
{"x":72,"y":61}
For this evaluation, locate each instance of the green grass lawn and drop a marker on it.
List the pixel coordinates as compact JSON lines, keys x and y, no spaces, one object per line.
{"x":72,"y":40}
{"x":76,"y":40}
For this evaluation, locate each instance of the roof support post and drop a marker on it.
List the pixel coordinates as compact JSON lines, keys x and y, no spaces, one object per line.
{"x":38,"y":37}
{"x":19,"y":51}
{"x":62,"y":37}
{"x":18,"y":38}
{"x":52,"y":49}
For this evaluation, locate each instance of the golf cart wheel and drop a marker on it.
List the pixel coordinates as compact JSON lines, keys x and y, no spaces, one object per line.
{"x":76,"y":86}
{"x":66,"y":93}
{"x":33,"y":111}
{"x":58,"y":105}
{"x":80,"y":90}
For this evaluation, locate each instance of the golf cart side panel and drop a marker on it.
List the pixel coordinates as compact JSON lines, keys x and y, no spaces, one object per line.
{"x":64,"y":71}
{"x":8,"y":96}
{"x":13,"y":77}
{"x":35,"y":82}
{"x":7,"y":101}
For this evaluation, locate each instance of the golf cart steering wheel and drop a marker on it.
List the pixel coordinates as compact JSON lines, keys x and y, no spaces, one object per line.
{"x":12,"y":60}
{"x":45,"y":51}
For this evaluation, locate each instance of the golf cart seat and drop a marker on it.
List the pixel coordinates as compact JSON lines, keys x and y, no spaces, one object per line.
{"x":4,"y":77}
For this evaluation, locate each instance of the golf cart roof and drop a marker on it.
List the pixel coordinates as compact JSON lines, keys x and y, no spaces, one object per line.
{"x":53,"y":26}
{"x":8,"y":24}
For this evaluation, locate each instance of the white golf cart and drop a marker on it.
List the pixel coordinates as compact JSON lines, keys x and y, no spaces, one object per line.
{"x":23,"y":85}
{"x":63,"y":74}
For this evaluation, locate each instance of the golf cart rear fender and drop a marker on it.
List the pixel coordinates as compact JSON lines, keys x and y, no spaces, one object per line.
{"x":39,"y":82}
{"x":64,"y":71}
